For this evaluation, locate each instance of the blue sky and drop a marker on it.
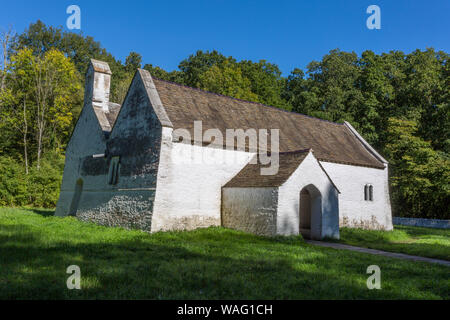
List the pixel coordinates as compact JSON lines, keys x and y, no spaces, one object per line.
{"x":288,"y":33}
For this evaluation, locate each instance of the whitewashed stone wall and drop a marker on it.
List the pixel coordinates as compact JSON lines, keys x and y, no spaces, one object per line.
{"x":188,"y":192}
{"x":353,"y":209}
{"x":136,"y":141}
{"x":87,"y":139}
{"x":121,"y":208}
{"x":251,"y":210}
{"x":308,"y":173}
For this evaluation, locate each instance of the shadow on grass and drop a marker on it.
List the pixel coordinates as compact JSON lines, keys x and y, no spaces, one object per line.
{"x":32,"y":267}
{"x":43,"y":212}
{"x":401,"y":239}
{"x":422,"y":231}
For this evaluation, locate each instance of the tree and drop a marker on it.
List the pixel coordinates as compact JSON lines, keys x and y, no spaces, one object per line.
{"x":16,"y":99}
{"x":256,"y":81}
{"x":429,"y":90}
{"x":335,"y":79}
{"x":122,"y":87}
{"x":378,"y":97}
{"x":133,"y":62}
{"x":265,"y":81}
{"x":195,"y":65}
{"x":5,"y":42}
{"x":56,"y":81}
{"x":47,"y":87}
{"x":420,"y":175}
{"x":297,"y":93}
{"x":228,"y":80}
{"x":39,"y":38}
{"x":79,"y":48}
{"x":157,"y":72}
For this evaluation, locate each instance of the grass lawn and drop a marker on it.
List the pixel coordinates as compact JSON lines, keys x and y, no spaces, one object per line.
{"x":214,"y":263}
{"x":425,"y":242}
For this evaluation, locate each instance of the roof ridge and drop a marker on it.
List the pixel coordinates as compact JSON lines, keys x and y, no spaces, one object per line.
{"x":252,"y":102}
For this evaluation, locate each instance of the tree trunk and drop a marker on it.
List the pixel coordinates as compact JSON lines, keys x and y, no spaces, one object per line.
{"x":41,"y":96}
{"x":3,"y":72}
{"x":25,"y":132}
{"x":5,"y":38}
{"x":39,"y":151}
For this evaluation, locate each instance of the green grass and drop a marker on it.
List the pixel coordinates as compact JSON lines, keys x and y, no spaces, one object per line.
{"x":214,"y":263}
{"x":425,"y":242}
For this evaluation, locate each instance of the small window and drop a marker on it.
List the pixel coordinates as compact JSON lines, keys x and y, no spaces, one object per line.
{"x":368,"y":192}
{"x":114,"y":171}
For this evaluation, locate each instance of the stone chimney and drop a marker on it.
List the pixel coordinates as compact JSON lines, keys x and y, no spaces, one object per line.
{"x":98,"y":82}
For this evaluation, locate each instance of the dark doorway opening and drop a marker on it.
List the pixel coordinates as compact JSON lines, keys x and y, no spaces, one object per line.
{"x":305,"y":213}
{"x":76,"y":198}
{"x":310,"y":213}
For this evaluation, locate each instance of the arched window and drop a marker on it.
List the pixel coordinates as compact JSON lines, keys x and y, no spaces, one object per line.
{"x":366,"y":192}
{"x":114,"y":171}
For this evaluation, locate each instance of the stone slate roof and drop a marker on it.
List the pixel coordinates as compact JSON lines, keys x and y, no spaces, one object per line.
{"x":100,"y":66}
{"x":250,"y":175}
{"x":179,"y":106}
{"x":332,"y":142}
{"x":107,"y":119}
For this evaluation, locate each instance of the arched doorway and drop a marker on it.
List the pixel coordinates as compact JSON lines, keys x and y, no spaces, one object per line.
{"x":305,"y":213}
{"x":310,"y":213}
{"x":76,"y":198}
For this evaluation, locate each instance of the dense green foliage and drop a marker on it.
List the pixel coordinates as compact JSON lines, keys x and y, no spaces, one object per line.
{"x":399,"y":103}
{"x":40,"y":187}
{"x":420,"y":175}
{"x":424,"y":242}
{"x":213,"y":263}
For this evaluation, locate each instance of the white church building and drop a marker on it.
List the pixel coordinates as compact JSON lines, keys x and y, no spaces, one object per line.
{"x":136,"y":165}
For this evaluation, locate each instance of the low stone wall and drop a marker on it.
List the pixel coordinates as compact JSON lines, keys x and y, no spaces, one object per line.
{"x":419,"y":222}
{"x":130,"y":209}
{"x":251,"y":210}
